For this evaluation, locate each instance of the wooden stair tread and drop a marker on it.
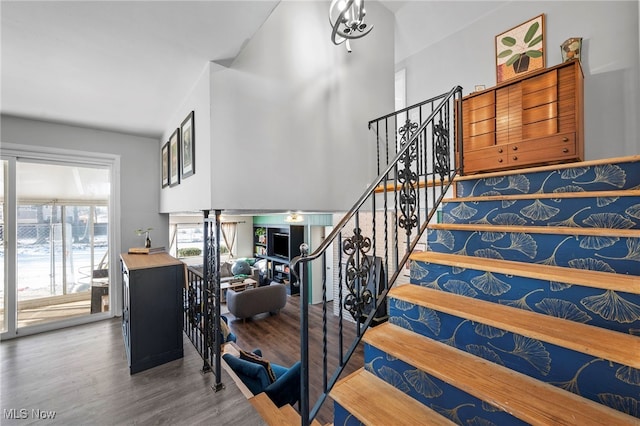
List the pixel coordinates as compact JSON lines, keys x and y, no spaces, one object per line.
{"x":589,"y":163}
{"x":547,"y":195}
{"x":582,"y":277}
{"x":274,"y":416}
{"x":528,"y":399}
{"x":359,"y":391}
{"x":595,"y":341}
{"x":556,"y":230}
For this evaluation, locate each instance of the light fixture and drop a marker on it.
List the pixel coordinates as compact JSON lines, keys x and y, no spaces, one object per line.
{"x":350,"y":15}
{"x":294,"y":218}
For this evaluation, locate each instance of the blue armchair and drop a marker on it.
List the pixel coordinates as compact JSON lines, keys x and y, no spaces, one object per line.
{"x":285,"y":389}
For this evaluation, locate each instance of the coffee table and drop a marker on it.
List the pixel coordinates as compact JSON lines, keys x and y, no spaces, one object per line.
{"x":236,"y":286}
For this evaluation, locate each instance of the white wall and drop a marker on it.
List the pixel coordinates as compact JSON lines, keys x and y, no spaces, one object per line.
{"x":139,"y":172}
{"x":289,"y":118}
{"x":611,"y":61}
{"x":193,"y":193}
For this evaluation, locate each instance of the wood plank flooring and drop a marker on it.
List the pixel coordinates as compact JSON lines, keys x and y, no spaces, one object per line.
{"x":81,"y":374}
{"x":278,"y":336}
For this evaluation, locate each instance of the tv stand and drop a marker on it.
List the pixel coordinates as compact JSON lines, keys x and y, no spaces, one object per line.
{"x":278,"y":245}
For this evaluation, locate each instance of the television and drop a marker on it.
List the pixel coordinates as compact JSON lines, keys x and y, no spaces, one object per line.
{"x":281,"y":245}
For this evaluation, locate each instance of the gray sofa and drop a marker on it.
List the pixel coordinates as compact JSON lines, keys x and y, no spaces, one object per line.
{"x":253,"y":301}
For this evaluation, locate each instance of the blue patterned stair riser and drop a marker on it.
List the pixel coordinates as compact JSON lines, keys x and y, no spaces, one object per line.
{"x":456,"y":405}
{"x":617,"y":311}
{"x":606,"y":177}
{"x":568,"y":369}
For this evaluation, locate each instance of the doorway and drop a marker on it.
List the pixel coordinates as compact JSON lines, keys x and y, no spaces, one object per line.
{"x":54,"y":243}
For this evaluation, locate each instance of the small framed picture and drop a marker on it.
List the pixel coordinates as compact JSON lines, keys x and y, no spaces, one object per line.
{"x":174,"y":158}
{"x":188,"y":143}
{"x":165,"y":165}
{"x":520,"y":50}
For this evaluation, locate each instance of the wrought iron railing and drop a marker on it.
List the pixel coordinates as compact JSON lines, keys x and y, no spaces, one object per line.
{"x":372,"y":242}
{"x":202,"y":302}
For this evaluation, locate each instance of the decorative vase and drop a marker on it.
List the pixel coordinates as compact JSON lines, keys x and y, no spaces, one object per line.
{"x":571,"y":49}
{"x":147,"y":241}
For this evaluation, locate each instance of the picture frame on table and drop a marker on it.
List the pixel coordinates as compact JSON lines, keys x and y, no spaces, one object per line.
{"x":165,"y":165}
{"x":174,"y":158}
{"x":188,"y":146}
{"x":520,"y":50}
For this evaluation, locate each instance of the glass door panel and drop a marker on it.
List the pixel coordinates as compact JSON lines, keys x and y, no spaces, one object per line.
{"x":62,"y":242}
{"x":3,"y":289}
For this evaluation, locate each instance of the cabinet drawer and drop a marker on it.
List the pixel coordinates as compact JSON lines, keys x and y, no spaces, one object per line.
{"x":485,"y":159}
{"x":541,"y":97}
{"x":481,"y":114}
{"x":540,"y":113}
{"x":482,"y":141}
{"x":543,"y":81}
{"x":557,"y":147}
{"x":480,"y":101}
{"x":482,"y":127}
{"x":540,"y":129}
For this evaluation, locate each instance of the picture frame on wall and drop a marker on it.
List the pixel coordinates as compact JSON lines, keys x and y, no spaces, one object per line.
{"x":520,"y":50}
{"x":188,"y":146}
{"x":165,"y":165}
{"x":174,"y":158}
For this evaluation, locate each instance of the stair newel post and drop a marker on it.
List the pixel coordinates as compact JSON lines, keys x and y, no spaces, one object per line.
{"x":216,"y":297}
{"x":304,"y":336}
{"x":204,"y":296}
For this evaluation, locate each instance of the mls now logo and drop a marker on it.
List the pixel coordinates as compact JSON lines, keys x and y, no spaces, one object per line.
{"x":15,"y":414}
{"x":23,"y":413}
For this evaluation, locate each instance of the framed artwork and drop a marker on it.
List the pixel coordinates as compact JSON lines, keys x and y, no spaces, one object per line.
{"x":174,"y":158}
{"x":188,"y":143}
{"x":165,"y":165}
{"x":520,"y":50}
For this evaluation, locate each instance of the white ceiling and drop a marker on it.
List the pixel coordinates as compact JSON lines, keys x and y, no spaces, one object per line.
{"x":126,"y":65}
{"x":116,"y":65}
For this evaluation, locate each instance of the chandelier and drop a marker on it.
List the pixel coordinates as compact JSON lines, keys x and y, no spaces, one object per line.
{"x":347,"y":19}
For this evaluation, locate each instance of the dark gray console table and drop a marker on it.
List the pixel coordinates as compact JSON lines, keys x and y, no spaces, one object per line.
{"x":152,"y":309}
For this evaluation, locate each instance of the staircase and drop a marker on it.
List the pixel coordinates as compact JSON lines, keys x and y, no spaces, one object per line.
{"x":524,"y":310}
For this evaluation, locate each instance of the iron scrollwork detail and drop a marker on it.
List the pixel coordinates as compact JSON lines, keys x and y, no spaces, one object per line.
{"x":408,"y":179}
{"x":211,"y":288}
{"x":441,"y":137}
{"x":358,"y":270}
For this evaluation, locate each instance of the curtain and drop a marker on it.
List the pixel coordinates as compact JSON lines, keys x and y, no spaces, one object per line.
{"x":229,"y":235}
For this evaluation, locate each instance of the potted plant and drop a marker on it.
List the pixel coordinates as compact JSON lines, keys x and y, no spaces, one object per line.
{"x":261,"y":233}
{"x":145,"y":232}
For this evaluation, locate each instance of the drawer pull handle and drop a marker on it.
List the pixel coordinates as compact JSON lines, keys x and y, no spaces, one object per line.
{"x":499,"y":160}
{"x":565,"y":139}
{"x":565,"y":150}
{"x":515,"y":148}
{"x":500,"y":150}
{"x":515,"y":158}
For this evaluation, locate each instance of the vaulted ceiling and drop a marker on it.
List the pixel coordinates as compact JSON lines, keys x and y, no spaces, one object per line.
{"x":126,"y":65}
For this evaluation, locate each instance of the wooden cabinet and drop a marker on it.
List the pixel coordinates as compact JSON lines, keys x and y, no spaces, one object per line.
{"x":533,"y":120}
{"x":152,"y":309}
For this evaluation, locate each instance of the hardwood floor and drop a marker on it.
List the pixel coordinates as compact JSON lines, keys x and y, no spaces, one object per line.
{"x":278,"y":336}
{"x":81,"y":374}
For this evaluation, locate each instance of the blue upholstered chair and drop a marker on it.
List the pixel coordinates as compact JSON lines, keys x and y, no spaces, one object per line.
{"x":285,"y":389}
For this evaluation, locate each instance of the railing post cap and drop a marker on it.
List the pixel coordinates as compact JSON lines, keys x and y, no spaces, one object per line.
{"x":304,"y":249}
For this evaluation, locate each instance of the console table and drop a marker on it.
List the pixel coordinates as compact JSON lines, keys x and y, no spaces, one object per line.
{"x":152,"y":309}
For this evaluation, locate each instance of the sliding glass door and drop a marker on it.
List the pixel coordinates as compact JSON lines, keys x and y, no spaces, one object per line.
{"x":61,"y":244}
